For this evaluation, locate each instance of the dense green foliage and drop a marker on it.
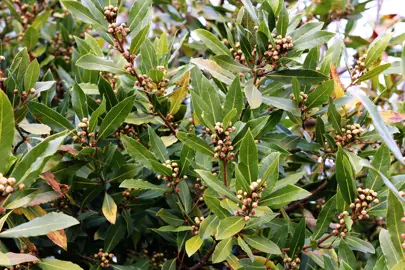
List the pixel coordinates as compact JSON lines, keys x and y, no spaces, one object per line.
{"x":190,"y":135}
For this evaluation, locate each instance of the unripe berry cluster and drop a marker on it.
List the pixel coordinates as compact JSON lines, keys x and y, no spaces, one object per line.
{"x":127,"y":193}
{"x":250,"y":200}
{"x":128,"y":130}
{"x":302,"y":99}
{"x":281,"y":47}
{"x":238,"y":54}
{"x":158,"y":88}
{"x":110,"y":13}
{"x":84,"y":137}
{"x":62,"y":204}
{"x":157,"y":260}
{"x":338,"y":13}
{"x":359,"y":68}
{"x":104,"y":258}
{"x":341,"y":228}
{"x":61,"y":48}
{"x":6,"y":184}
{"x":363,"y":201}
{"x":350,"y":134}
{"x":222,"y":140}
{"x":174,"y":178}
{"x":196,"y":226}
{"x":289,"y":263}
{"x":119,"y":30}
{"x":199,"y":189}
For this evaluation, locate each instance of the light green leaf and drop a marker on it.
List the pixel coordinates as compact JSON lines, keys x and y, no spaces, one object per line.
{"x":320,"y":95}
{"x":234,"y":99}
{"x":334,"y":117}
{"x":49,"y":117}
{"x":374,"y":72}
{"x":41,"y":226}
{"x":382,"y":163}
{"x":251,"y":10}
{"x":115,"y":117}
{"x":193,"y":244}
{"x":31,"y":75}
{"x":79,"y":102}
{"x":282,"y":103}
{"x":377,"y":47}
{"x":325,"y":218}
{"x":31,"y":165}
{"x":395,"y":212}
{"x":212,"y":42}
{"x":392,"y":256}
{"x":359,"y":244}
{"x":262,"y":244}
{"x":282,"y":23}
{"x":230,"y":64}
{"x":138,"y":12}
{"x":82,"y":13}
{"x":246,"y":248}
{"x":216,"y":185}
{"x":141,"y":184}
{"x":284,"y":196}
{"x":345,"y":176}
{"x":303,"y":76}
{"x":192,"y":141}
{"x":6,"y":130}
{"x":54,"y":264}
{"x":311,"y":40}
{"x":31,"y":37}
{"x":229,"y":226}
{"x":137,"y":151}
{"x":157,"y":145}
{"x":253,"y":95}
{"x":222,"y":250}
{"x":216,"y":71}
{"x":92,"y":62}
{"x":109,"y":208}
{"x":248,"y":156}
{"x":379,"y":124}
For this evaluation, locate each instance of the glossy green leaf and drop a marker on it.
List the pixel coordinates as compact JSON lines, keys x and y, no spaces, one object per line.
{"x":262,"y":244}
{"x":92,"y":62}
{"x":320,"y":95}
{"x":6,"y":130}
{"x":115,"y":117}
{"x":79,"y":102}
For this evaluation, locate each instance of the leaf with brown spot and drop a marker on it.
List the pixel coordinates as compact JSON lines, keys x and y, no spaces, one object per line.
{"x":392,"y":117}
{"x":53,"y":182}
{"x":69,"y":149}
{"x":58,"y":237}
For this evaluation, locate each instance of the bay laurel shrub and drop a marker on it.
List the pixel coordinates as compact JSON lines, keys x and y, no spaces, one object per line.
{"x":196,"y":135}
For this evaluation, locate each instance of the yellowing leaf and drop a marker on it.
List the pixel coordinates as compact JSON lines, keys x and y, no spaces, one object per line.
{"x":109,"y":209}
{"x":339,"y":91}
{"x":180,"y":94}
